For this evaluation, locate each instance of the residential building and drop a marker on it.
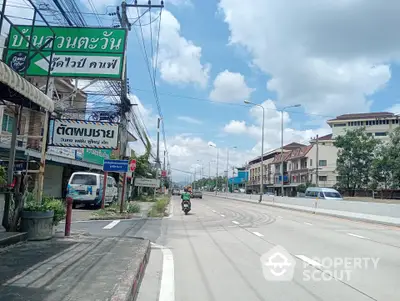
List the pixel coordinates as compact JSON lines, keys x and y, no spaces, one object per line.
{"x":379,"y":124}
{"x":254,"y":169}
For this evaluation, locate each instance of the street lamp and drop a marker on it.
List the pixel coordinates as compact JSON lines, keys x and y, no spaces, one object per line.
{"x":282,"y":111}
{"x":262,"y":147}
{"x":227,"y":168}
{"x":216,"y":179}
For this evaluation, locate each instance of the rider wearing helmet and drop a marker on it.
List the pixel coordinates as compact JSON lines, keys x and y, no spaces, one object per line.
{"x":185,"y":197}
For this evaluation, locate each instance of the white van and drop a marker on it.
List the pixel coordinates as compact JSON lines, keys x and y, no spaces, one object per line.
{"x":87,"y":188}
{"x":323,"y":193}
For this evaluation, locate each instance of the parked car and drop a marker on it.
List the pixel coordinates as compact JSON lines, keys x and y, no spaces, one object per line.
{"x":197,"y":194}
{"x":323,"y":193}
{"x":87,"y":188}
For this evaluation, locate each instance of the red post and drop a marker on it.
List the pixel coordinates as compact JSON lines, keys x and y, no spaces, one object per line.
{"x":103,"y":193}
{"x":68,"y":217}
{"x":121,"y":208}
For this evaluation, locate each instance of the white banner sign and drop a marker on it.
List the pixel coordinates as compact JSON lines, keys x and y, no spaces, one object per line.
{"x":84,"y":134}
{"x":143,"y":182}
{"x":62,"y":152}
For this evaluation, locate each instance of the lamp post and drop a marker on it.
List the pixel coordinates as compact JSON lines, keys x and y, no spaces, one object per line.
{"x":262,"y":147}
{"x":282,"y":111}
{"x":216,"y":179}
{"x":227,"y":169}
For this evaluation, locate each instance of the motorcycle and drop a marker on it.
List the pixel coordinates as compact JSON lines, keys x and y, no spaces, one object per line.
{"x":186,"y":207}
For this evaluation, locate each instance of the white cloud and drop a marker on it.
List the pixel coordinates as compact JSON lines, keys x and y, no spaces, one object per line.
{"x":322,"y":54}
{"x":272,"y":128}
{"x":189,"y":119}
{"x":179,"y":59}
{"x":179,"y":2}
{"x":230,"y":87}
{"x":394,"y":109}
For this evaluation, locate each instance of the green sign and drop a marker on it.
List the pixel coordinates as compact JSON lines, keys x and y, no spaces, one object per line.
{"x":96,"y":156}
{"x":77,"y":52}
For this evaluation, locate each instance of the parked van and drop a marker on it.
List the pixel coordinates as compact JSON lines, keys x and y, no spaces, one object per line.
{"x":323,"y":193}
{"x":87,"y":188}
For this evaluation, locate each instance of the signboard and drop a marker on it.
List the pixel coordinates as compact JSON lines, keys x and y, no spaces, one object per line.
{"x":69,"y":153}
{"x":132,"y":165}
{"x":18,"y":166}
{"x":77,"y":52}
{"x":96,"y":156}
{"x":84,"y":134}
{"x":116,"y":166}
{"x":143,"y":182}
{"x":164,"y":173}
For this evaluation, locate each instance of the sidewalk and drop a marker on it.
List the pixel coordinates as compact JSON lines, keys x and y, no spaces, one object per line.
{"x":274,"y":202}
{"x":77,"y":268}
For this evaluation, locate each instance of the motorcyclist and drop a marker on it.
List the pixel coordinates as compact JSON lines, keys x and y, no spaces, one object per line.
{"x":185,"y":197}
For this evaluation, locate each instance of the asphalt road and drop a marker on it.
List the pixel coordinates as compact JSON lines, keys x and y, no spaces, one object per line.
{"x":219,"y":251}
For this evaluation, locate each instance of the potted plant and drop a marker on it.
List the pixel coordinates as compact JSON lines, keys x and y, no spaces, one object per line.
{"x":39,"y":218}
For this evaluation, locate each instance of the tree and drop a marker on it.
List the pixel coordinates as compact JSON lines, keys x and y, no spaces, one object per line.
{"x":143,"y":167}
{"x":394,"y":157}
{"x":381,"y":169}
{"x":355,"y":156}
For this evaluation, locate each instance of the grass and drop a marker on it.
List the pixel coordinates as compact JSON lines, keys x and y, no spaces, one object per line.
{"x":112,"y":212}
{"x":158,"y":209}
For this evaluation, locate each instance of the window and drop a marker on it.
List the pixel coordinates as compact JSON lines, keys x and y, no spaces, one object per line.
{"x":8,"y":122}
{"x":339,"y":125}
{"x":380,"y":134}
{"x":322,"y":163}
{"x":84,"y":179}
{"x":323,"y":178}
{"x":310,"y":162}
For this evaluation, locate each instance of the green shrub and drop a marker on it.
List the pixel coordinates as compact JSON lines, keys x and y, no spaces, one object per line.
{"x":47,"y":204}
{"x":133,"y":208}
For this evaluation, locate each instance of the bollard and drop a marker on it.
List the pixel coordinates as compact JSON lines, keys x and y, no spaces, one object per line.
{"x":68,"y":217}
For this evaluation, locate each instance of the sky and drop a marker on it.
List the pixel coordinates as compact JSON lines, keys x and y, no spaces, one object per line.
{"x":331,"y":57}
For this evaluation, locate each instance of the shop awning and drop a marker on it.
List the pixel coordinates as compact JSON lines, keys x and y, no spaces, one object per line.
{"x":18,"y":90}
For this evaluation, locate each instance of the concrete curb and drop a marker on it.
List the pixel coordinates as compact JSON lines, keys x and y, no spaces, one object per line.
{"x":11,"y":238}
{"x":127,"y":289}
{"x":312,"y":211}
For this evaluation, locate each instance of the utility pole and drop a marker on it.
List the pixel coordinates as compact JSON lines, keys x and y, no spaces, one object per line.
{"x":317,"y":164}
{"x":216,"y":179}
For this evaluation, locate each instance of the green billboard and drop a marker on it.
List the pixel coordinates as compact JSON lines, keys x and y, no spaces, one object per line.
{"x":74,"y":52}
{"x":96,"y":156}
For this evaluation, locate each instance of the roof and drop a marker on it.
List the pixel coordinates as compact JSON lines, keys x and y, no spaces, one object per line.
{"x":363,"y":116}
{"x":299,"y":152}
{"x":278,"y":157}
{"x":27,"y":92}
{"x":326,"y":137}
{"x":293,"y":145}
{"x":272,"y":153}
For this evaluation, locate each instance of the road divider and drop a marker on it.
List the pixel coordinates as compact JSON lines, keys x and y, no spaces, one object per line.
{"x":385,"y":214}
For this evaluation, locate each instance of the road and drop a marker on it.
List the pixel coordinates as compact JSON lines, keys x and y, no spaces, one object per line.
{"x":217,"y":251}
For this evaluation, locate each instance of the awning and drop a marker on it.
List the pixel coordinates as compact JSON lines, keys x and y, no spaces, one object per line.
{"x":26,"y":92}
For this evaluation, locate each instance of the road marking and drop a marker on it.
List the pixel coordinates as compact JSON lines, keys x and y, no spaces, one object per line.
{"x":258,"y":234}
{"x":279,"y":216}
{"x":214,"y":211}
{"x":236,"y":223}
{"x":309,"y":261}
{"x":222,"y":215}
{"x":167,"y":287}
{"x":305,"y":223}
{"x":112,"y":224}
{"x":355,"y":235}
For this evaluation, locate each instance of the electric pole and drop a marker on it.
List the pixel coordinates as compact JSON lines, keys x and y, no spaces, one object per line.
{"x":317,"y":164}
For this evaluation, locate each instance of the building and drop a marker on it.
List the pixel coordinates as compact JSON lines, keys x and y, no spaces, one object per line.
{"x":61,"y":162}
{"x":240,"y":180}
{"x":254,"y":169}
{"x":379,"y":124}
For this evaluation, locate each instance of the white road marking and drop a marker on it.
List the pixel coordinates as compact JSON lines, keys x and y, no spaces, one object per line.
{"x":222,"y":215}
{"x":309,"y":261}
{"x":167,"y":287}
{"x":307,"y":224}
{"x":279,"y":216}
{"x":112,"y":224}
{"x":236,"y":223}
{"x":214,"y":211}
{"x":355,"y":235}
{"x":258,"y":234}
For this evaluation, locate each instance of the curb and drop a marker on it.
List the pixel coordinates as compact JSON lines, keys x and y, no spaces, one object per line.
{"x":358,"y":219}
{"x":11,"y":238}
{"x":128,"y":289}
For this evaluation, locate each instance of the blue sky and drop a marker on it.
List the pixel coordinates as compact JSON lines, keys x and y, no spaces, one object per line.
{"x":327,"y":56}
